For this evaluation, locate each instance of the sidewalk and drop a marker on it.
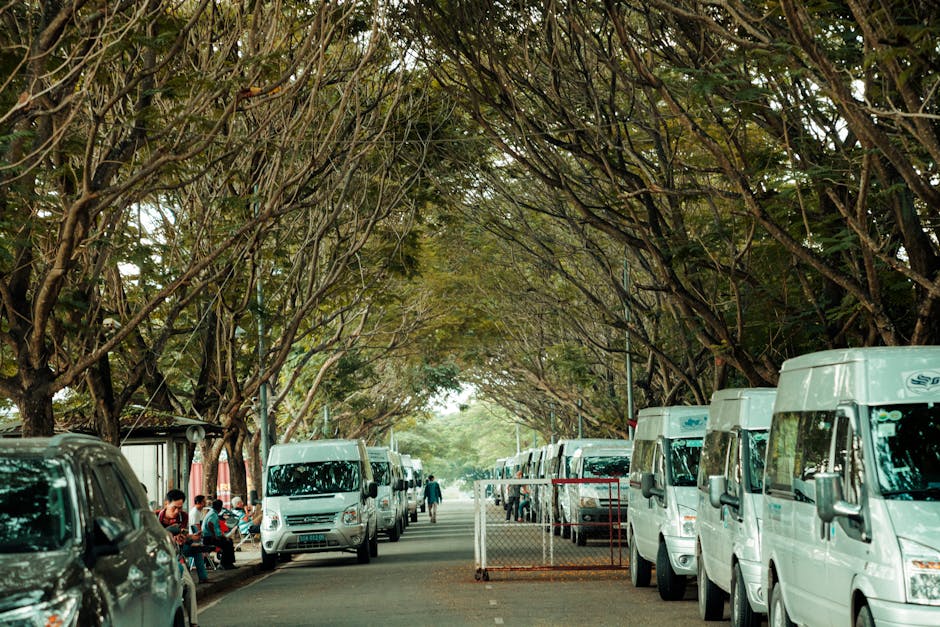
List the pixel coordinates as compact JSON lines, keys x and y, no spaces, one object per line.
{"x":248,"y":560}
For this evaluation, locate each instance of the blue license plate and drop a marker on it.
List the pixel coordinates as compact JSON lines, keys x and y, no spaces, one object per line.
{"x":313,"y":537}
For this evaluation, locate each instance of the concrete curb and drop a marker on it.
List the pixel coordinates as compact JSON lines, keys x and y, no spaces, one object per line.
{"x":249,"y":567}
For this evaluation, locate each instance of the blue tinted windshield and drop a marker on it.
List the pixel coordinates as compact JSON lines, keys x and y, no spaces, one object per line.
{"x":313,"y":478}
{"x":36,"y":510}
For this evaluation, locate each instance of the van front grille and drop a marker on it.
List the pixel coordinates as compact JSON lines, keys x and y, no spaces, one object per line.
{"x":301,"y":520}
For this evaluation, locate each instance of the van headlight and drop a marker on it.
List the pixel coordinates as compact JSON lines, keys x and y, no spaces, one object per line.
{"x":385,"y":503}
{"x":351,"y":515}
{"x":62,"y":610}
{"x":270,"y":522}
{"x":921,"y":572}
{"x":588,"y":502}
{"x":686,"y":521}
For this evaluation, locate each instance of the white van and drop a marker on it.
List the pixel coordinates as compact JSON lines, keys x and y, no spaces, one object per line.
{"x":731,"y":504}
{"x":318,"y":496}
{"x":419,"y":484}
{"x":852,"y":489}
{"x":401,"y":494}
{"x":561,"y":469}
{"x":663,"y":496}
{"x":599,"y":509}
{"x":411,"y":491}
{"x":387,"y":477}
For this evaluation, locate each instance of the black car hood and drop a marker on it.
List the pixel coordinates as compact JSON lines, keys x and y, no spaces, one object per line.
{"x":30,"y":578}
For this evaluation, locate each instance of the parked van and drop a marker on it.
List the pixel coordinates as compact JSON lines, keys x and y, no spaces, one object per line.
{"x":731,"y":504}
{"x":561,"y":469}
{"x":663,"y":496}
{"x":599,"y":509}
{"x":401,"y":494}
{"x":319,"y":496}
{"x":852,"y":489}
{"x":419,"y":484}
{"x":411,"y":491}
{"x":387,"y":477}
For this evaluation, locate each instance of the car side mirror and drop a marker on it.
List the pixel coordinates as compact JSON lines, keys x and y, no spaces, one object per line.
{"x":647,"y":485}
{"x":418,"y":482}
{"x":400,"y":485}
{"x":373,"y":489}
{"x":106,"y":537}
{"x":411,"y":483}
{"x":830,"y":502}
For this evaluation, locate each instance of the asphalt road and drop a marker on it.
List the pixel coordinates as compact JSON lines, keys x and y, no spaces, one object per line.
{"x":427,"y":578}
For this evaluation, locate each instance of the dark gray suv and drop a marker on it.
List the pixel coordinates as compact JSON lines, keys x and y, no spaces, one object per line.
{"x":78,"y":545}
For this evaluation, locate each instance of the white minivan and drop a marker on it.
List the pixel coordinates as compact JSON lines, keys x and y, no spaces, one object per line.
{"x":663,"y":496}
{"x":318,"y":496}
{"x":599,"y":504}
{"x":387,"y":476}
{"x":851,"y":528}
{"x":561,"y":469}
{"x":731,"y":504}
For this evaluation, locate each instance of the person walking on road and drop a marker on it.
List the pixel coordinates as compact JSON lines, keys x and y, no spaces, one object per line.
{"x":432,"y":492}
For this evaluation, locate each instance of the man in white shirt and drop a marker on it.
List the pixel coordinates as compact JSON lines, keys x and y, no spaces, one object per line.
{"x":196,"y":515}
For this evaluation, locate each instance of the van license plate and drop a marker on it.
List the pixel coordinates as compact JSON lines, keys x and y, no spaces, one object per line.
{"x":313,"y":537}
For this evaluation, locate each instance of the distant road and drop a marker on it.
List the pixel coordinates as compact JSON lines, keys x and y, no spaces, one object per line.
{"x":427,"y":578}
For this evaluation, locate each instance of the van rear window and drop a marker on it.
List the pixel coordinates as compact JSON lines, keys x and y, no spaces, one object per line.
{"x":313,"y":478}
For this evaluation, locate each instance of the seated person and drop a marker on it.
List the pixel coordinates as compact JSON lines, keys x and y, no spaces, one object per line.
{"x":242,"y":517}
{"x":213,"y":535}
{"x":173,"y":515}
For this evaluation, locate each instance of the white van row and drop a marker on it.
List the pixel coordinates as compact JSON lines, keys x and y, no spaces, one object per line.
{"x":335,"y":495}
{"x":817,"y":503}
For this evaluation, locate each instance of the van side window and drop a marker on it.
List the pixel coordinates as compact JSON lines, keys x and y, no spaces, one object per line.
{"x":733,"y":473}
{"x":780,"y":453}
{"x":714,"y":453}
{"x":848,"y":461}
{"x":813,"y":452}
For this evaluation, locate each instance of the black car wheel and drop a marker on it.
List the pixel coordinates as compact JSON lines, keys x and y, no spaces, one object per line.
{"x":671,"y":586}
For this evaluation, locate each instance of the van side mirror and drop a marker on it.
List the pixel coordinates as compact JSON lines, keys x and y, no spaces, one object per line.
{"x":400,"y":485}
{"x":647,"y":486}
{"x":830,"y":502}
{"x":418,"y":482}
{"x":718,"y":492}
{"x":373,"y":489}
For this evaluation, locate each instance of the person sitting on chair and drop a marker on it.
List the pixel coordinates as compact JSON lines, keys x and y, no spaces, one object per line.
{"x":173,"y":516}
{"x":243,"y":517}
{"x":212,"y":534}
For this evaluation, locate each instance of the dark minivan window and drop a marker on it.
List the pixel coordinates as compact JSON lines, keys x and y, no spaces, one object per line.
{"x":313,"y":478}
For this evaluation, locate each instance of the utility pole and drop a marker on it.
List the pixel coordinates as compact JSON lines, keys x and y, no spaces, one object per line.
{"x":552,"y":413}
{"x":629,"y":356}
{"x":518,"y":443}
{"x":263,"y":417}
{"x":326,"y":421}
{"x":580,"y":421}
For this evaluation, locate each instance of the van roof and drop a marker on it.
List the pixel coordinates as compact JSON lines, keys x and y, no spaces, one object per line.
{"x":574,"y":444}
{"x":868,"y":376}
{"x":379,"y":453}
{"x":748,"y":408}
{"x":605,"y":451}
{"x":678,"y":421}
{"x":313,"y":451}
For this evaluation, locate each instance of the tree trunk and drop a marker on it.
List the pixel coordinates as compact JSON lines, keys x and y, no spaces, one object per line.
{"x":36,"y":409}
{"x":254,"y":452}
{"x":210,"y":465}
{"x":238,"y":479}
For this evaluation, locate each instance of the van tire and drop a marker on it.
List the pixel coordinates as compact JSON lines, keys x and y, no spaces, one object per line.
{"x":777,"y":611}
{"x":582,"y":537}
{"x":374,"y":545}
{"x":711,"y":598}
{"x":393,"y":533}
{"x":864,"y":618}
{"x":414,"y":516}
{"x":671,"y":586}
{"x":742,"y":614}
{"x":640,"y":568}
{"x":268,"y":561}
{"x":362,"y":551}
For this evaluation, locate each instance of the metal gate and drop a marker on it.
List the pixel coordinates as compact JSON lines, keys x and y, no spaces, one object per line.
{"x":560,"y":524}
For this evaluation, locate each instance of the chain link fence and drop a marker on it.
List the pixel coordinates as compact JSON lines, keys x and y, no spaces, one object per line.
{"x":555,"y":524}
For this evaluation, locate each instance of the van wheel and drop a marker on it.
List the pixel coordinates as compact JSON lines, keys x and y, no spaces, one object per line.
{"x":565,"y":528}
{"x":362,"y":551}
{"x":582,"y":537}
{"x":864,"y":618}
{"x":393,"y":533}
{"x":742,"y":615}
{"x":268,"y":561}
{"x":423,"y":508}
{"x":711,"y":598}
{"x":374,"y":545}
{"x":778,"y":609}
{"x":414,"y":516}
{"x":671,"y":586}
{"x":640,"y":568}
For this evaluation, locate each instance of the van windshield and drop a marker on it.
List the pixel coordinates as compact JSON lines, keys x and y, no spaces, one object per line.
{"x":756,"y":450}
{"x":606,"y":467}
{"x":907,"y":447}
{"x":313,"y":478}
{"x":36,"y":511}
{"x":380,"y":473}
{"x":683,"y":455}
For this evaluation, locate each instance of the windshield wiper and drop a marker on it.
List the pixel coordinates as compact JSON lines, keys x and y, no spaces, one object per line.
{"x":914,"y":493}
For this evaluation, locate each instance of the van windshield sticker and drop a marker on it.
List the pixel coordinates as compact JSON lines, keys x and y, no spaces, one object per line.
{"x":924,"y":382}
{"x":694,"y":422}
{"x":883,"y":415}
